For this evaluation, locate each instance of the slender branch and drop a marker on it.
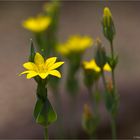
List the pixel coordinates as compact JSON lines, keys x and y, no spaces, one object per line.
{"x":113,"y":124}
{"x":104,"y":80}
{"x":113,"y":72}
{"x":113,"y":127}
{"x":46,"y":136}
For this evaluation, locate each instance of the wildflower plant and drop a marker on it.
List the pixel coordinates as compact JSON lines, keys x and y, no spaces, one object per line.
{"x":40,"y":69}
{"x":73,"y":49}
{"x":111,"y":95}
{"x":95,"y":69}
{"x":92,"y":74}
{"x":45,"y":70}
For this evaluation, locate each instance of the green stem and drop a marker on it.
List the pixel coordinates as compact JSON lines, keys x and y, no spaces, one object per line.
{"x":104,"y":80}
{"x":112,"y":72}
{"x":96,"y":100}
{"x":72,"y":83}
{"x":95,"y":106}
{"x":46,"y":136}
{"x":113,"y":124}
{"x":113,"y":127}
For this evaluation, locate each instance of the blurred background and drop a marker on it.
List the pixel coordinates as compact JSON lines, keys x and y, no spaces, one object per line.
{"x":17,"y":95}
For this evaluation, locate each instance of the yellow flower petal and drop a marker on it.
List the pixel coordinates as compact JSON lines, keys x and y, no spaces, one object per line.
{"x":24,"y":72}
{"x":31,"y":74}
{"x":55,"y":73}
{"x":38,"y":59}
{"x":91,"y":65}
{"x":107,"y":67}
{"x":29,"y":66}
{"x":50,"y":61}
{"x":56,"y":65}
{"x":43,"y":75}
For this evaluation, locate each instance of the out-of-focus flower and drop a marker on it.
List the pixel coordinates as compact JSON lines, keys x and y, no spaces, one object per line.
{"x":37,"y":24}
{"x":41,"y":67}
{"x":91,"y":65}
{"x":75,"y":44}
{"x":62,"y":49}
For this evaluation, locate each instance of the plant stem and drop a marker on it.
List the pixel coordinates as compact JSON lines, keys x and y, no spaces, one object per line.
{"x":46,"y":137}
{"x":112,"y":72}
{"x":113,"y":124}
{"x":113,"y":127}
{"x":96,"y":100}
{"x":104,"y":80}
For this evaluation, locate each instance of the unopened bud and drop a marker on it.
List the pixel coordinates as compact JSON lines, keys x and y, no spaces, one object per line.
{"x":100,"y":56}
{"x":108,"y":25}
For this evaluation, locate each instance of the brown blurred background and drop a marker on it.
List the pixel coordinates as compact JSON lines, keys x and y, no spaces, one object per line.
{"x":17,"y":95}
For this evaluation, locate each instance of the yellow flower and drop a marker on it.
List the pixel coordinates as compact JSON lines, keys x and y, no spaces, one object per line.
{"x":75,"y":43}
{"x":37,"y":24}
{"x":91,"y":65}
{"x":107,"y":16}
{"x":41,"y":67}
{"x":62,"y":49}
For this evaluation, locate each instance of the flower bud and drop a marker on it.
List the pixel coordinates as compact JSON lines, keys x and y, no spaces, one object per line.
{"x":100,"y":56}
{"x":108,"y":25}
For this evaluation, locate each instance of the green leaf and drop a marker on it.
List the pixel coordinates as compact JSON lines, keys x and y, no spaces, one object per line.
{"x":112,"y":100}
{"x":44,"y":113}
{"x":112,"y":62}
{"x":37,"y":109}
{"x":32,"y":52}
{"x":51,"y":114}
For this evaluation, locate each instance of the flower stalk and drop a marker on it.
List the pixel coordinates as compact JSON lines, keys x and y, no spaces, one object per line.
{"x":46,"y":133}
{"x":111,"y":97}
{"x":40,"y":69}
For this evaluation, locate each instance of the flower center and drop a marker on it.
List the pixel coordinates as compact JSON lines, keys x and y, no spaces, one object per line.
{"x":42,"y":68}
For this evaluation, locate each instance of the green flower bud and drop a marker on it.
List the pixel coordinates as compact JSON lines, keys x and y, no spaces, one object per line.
{"x":100,"y":56}
{"x":108,"y":24}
